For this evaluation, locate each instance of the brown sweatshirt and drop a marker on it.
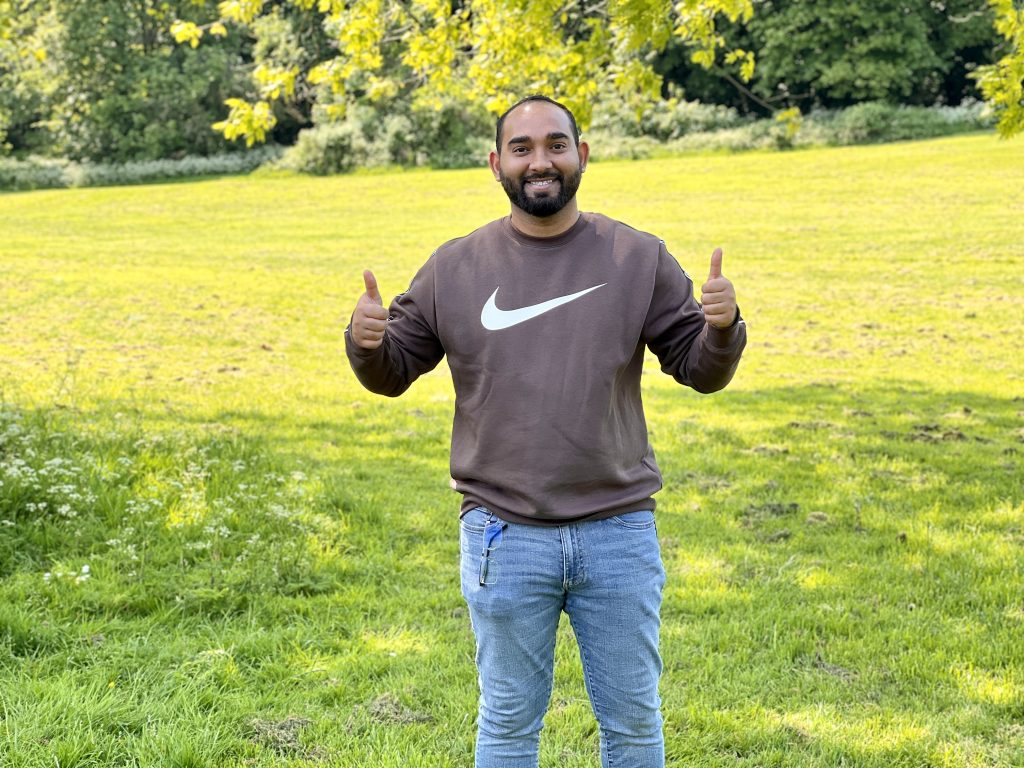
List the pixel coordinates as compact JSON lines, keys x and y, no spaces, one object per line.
{"x":545,"y":340}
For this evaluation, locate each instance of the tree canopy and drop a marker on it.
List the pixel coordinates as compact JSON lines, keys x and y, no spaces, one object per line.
{"x":831,"y":54}
{"x":1003,"y":82}
{"x":119,"y":80}
{"x":490,"y":51}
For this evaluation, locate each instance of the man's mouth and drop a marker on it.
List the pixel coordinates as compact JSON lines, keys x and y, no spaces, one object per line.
{"x":543,"y":183}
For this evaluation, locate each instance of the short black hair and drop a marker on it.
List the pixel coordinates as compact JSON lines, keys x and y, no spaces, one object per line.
{"x":536,"y":97}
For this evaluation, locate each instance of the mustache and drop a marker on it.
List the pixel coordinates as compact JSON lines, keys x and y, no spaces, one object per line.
{"x":543,"y":177}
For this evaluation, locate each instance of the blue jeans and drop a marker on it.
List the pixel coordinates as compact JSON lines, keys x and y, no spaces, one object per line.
{"x":607,"y":576}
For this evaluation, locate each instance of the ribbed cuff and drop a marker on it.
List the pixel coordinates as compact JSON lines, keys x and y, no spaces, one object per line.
{"x":724,"y":337}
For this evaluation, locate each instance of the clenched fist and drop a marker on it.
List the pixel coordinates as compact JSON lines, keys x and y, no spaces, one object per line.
{"x":718,"y":297}
{"x":370,"y":319}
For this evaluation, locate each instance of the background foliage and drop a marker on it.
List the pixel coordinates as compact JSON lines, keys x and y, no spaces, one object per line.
{"x":1003,"y":82}
{"x":120,"y":80}
{"x":486,"y":53}
{"x":127,"y":92}
{"x":105,"y":81}
{"x":835,"y":54}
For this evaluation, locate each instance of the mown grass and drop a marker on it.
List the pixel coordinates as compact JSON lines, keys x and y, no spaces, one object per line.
{"x":271,"y":551}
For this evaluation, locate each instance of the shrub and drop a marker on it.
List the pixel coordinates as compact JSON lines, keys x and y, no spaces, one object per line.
{"x":39,"y":173}
{"x":455,"y":138}
{"x":874,"y":122}
{"x":667,"y":120}
{"x":32,"y":173}
{"x":327,"y":149}
{"x":450,"y":137}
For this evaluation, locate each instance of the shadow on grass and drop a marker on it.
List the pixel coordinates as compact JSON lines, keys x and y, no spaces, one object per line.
{"x":762,"y":458}
{"x":835,"y":558}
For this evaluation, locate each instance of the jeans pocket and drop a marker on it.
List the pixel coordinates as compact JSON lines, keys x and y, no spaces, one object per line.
{"x":475,"y":520}
{"x":480,"y":537}
{"x":636,"y":521}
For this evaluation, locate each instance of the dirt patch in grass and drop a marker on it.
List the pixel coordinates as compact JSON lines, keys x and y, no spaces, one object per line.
{"x":934,"y":433}
{"x":846,"y":675}
{"x":282,"y":737}
{"x":756,"y":514}
{"x":386,"y":708}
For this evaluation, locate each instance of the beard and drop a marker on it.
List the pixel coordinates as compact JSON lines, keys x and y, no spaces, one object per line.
{"x":546,"y":205}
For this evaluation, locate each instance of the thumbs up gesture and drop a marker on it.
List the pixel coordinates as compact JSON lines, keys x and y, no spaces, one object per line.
{"x":370,"y":319}
{"x":718,"y":297}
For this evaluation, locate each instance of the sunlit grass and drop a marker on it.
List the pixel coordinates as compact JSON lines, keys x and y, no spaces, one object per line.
{"x":217,"y":549}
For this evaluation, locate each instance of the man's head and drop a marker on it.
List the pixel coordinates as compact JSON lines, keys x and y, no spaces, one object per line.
{"x":539,"y":158}
{"x":536,"y":98}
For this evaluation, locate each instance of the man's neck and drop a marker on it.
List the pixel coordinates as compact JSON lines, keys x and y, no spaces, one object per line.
{"x":547,"y":226}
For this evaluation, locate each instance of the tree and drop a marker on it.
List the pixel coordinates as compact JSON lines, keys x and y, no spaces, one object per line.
{"x":1003,"y":82}
{"x":128,"y":92}
{"x":29,"y":75}
{"x":434,"y":52}
{"x":831,"y":53}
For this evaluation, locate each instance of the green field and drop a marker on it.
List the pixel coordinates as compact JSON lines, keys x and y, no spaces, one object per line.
{"x":270,"y":552}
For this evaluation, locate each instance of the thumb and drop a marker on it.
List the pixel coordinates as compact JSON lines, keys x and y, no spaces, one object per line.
{"x":371,"y":287}
{"x":716,"y":264}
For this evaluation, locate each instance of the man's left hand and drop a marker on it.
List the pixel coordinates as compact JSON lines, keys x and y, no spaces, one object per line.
{"x":718,"y":297}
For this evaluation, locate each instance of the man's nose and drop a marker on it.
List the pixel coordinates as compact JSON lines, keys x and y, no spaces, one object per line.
{"x":540,"y":161}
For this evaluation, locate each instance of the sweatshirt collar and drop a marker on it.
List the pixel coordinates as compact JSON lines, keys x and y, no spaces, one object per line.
{"x":544,"y":242}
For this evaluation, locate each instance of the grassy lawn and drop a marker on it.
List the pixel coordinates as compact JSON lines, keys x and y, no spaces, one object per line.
{"x":216,"y":549}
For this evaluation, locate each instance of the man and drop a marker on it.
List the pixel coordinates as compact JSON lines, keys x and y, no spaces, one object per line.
{"x":544,"y":317}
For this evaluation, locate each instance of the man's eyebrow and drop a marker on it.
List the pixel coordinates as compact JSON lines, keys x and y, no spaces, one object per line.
{"x":553,"y":136}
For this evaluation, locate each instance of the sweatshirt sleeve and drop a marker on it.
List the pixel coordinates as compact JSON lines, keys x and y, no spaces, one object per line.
{"x":411,"y":346}
{"x":694,"y":353}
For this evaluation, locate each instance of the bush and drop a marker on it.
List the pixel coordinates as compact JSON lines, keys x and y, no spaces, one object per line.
{"x":327,"y":149}
{"x":867,"y":123}
{"x":32,"y":173}
{"x":874,"y":122}
{"x":39,"y":173}
{"x":451,"y":137}
{"x":667,"y":120}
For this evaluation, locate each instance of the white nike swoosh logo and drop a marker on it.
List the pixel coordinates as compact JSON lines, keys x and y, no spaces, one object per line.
{"x":495,"y":319}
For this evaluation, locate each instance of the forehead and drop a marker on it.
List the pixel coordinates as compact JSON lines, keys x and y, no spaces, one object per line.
{"x":536,"y":120}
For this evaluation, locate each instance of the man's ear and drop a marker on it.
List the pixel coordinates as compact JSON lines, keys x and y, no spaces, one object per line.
{"x":584,"y":150}
{"x":495,"y":164}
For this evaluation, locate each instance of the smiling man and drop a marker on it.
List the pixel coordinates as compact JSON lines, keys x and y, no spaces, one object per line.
{"x":545,"y":317}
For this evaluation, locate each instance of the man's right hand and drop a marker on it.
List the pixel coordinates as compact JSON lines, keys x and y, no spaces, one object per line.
{"x":370,"y":320}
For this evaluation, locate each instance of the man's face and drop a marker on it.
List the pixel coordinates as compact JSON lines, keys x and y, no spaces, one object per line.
{"x":540,"y":166}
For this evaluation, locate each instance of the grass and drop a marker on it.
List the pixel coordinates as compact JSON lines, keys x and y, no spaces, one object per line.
{"x":217,"y":550}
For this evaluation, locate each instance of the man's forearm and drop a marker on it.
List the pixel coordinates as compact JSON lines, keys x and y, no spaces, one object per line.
{"x":713,"y":359}
{"x":376,"y":369}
